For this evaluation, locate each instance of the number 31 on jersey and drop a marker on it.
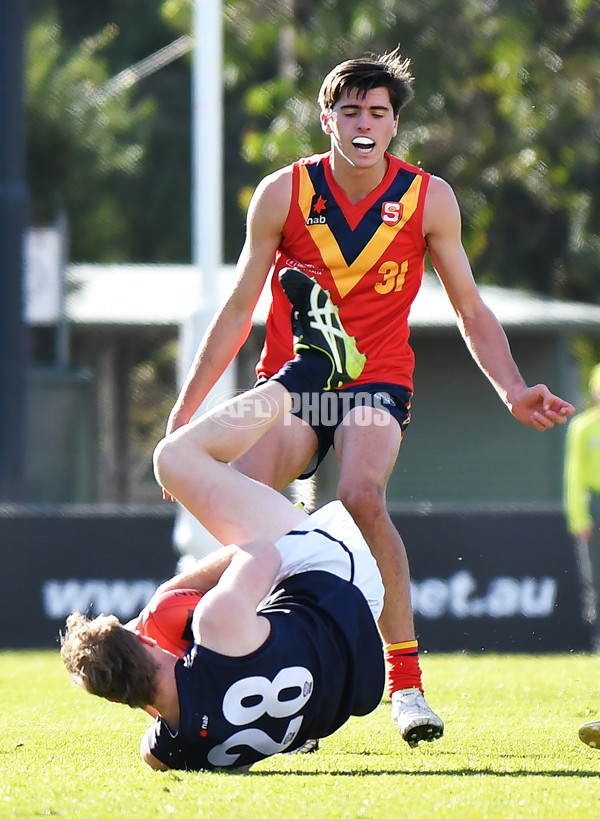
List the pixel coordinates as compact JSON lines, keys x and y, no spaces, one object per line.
{"x":392,"y":277}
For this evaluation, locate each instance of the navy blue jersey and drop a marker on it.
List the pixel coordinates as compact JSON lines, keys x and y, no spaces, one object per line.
{"x":322,"y":662}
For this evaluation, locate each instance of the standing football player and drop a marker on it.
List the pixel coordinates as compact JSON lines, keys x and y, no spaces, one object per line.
{"x":582,"y":501}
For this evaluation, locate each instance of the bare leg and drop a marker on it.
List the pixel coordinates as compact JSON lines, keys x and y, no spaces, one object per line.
{"x":367,"y":444}
{"x":367,"y":454}
{"x":192,"y":464}
{"x":281,"y":454}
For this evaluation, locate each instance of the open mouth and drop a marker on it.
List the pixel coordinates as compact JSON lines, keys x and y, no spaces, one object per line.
{"x":363,"y":144}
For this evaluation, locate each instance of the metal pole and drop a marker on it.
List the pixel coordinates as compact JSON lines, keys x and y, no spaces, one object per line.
{"x":13,"y":208}
{"x":190,"y":538}
{"x":207,"y":142}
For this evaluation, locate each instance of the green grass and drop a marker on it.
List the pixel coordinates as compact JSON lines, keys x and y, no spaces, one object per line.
{"x":511,"y":750}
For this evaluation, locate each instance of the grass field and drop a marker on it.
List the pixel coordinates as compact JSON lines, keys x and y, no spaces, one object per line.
{"x":511,"y":750}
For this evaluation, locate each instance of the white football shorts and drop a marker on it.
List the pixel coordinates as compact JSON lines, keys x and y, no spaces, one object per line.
{"x":334,"y":544}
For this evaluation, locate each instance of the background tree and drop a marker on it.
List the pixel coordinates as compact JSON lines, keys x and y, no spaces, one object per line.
{"x":76,"y":150}
{"x":125,"y":182}
{"x":506,"y":109}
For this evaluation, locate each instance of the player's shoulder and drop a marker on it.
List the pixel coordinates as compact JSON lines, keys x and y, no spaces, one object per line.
{"x":275,"y":185}
{"x":275,"y":179}
{"x":402,"y":164}
{"x":281,"y":179}
{"x":439,"y":187}
{"x":440,"y":201}
{"x":272,"y":195}
{"x":313,"y":159}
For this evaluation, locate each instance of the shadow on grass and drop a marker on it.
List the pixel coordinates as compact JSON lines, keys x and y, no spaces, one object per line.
{"x":410,"y":772}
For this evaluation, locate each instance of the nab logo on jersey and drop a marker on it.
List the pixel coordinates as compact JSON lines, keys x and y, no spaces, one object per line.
{"x":318,"y":211}
{"x":391,"y":212}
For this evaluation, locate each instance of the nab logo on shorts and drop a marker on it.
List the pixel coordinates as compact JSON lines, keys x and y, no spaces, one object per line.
{"x":318,"y":211}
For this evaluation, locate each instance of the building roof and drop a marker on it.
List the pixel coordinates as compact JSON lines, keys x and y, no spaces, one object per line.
{"x":514,"y":309}
{"x":148,"y":295}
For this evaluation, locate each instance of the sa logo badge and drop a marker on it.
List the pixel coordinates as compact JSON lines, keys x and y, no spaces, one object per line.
{"x":391,"y":212}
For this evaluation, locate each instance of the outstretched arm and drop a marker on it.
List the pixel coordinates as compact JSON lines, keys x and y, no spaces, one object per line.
{"x":231,"y":325}
{"x":535,"y":406}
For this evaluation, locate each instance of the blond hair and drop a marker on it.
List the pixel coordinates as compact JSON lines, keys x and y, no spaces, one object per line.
{"x":108,"y":660}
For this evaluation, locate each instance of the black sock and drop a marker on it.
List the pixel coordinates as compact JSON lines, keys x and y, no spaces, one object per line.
{"x":307,"y":372}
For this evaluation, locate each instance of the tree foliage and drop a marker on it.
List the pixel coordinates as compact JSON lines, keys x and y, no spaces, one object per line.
{"x":76,"y":148}
{"x":506,"y":109}
{"x":117,"y":163}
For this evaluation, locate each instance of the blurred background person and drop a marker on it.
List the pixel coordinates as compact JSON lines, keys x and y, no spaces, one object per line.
{"x":582,"y":501}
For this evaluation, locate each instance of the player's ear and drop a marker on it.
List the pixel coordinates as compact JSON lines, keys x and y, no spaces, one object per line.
{"x":325,"y":121}
{"x":395,"y":132}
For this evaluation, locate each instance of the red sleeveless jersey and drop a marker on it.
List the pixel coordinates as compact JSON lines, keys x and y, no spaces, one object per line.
{"x":369,"y":256}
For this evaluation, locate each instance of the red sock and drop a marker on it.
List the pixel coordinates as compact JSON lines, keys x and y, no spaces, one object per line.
{"x":403,"y":669}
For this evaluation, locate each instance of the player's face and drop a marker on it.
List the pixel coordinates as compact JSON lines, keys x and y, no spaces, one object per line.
{"x":361,"y":127}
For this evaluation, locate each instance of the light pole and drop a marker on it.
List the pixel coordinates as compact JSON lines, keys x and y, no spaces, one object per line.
{"x":190,"y":538}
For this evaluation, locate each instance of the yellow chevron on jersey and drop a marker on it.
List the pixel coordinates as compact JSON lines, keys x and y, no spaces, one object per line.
{"x":369,"y":255}
{"x":345,"y":272}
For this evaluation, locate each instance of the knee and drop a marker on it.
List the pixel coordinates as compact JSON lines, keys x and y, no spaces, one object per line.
{"x":166,"y":461}
{"x":364,"y":501}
